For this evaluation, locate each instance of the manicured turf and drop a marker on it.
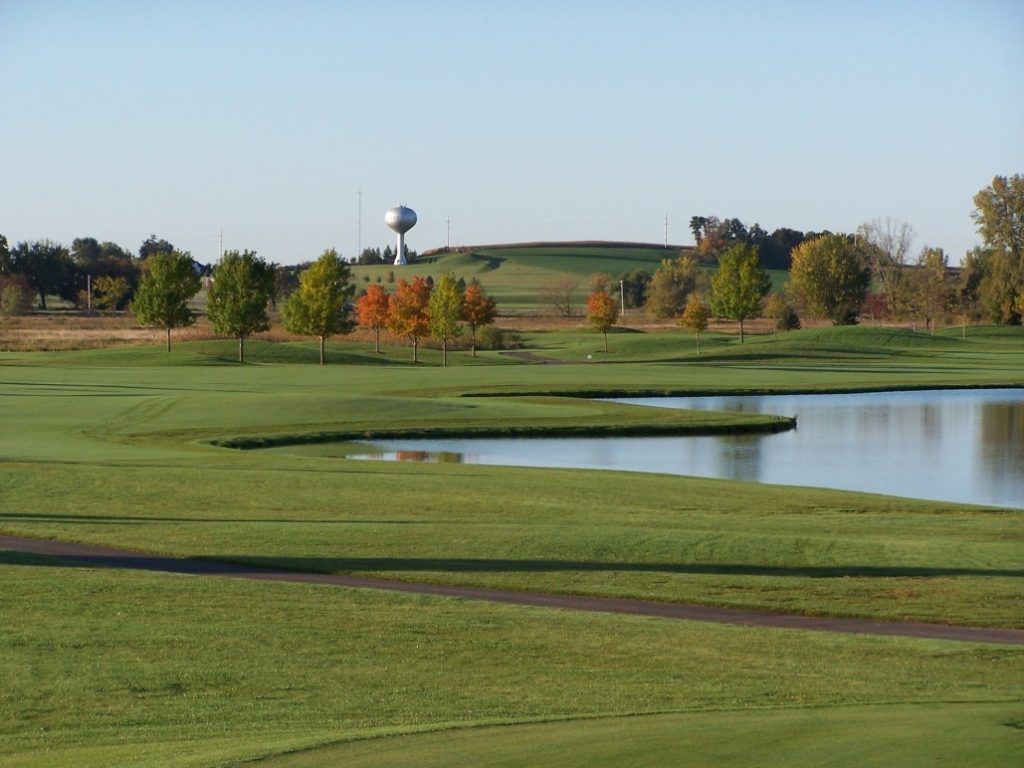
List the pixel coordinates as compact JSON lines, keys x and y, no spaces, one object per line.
{"x":848,"y":737}
{"x":114,"y":447}
{"x":117,"y":668}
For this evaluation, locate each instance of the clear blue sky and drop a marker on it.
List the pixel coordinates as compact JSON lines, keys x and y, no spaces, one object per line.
{"x":518,"y":121}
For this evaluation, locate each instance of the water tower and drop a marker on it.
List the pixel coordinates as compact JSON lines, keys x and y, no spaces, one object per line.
{"x":400,"y":219}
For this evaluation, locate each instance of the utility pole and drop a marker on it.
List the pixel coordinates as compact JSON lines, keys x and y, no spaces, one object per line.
{"x":448,"y":226}
{"x":88,"y":291}
{"x":622,"y":298}
{"x":666,"y":230}
{"x":359,"y":251}
{"x":221,"y":254}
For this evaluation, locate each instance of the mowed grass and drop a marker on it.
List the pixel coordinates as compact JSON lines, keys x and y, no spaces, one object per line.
{"x":850,"y":737}
{"x":107,"y":668}
{"x":116,"y":668}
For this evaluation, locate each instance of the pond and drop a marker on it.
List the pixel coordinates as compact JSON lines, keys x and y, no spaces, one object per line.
{"x":949,"y":445}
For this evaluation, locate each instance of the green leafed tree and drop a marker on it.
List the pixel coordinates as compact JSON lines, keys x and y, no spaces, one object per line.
{"x":168,"y":281}
{"x":783,"y":316}
{"x":46,"y":265}
{"x":739,"y":285}
{"x":999,"y":216}
{"x":110,"y":292}
{"x":830,"y":277}
{"x":15,"y":295}
{"x":317,"y":306}
{"x":967,"y":289}
{"x":673,"y":281}
{"x":85,"y":251}
{"x":445,"y":310}
{"x":695,"y":317}
{"x":932,"y":285}
{"x":238,"y":297}
{"x":153,"y":245}
{"x":634,"y":287}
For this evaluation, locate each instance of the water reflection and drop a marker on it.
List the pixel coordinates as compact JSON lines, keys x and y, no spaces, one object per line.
{"x":965,"y":446}
{"x":1001,"y":457}
{"x":435,"y":457}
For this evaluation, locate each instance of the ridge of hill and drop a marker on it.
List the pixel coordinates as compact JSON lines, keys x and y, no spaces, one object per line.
{"x":434,"y":252}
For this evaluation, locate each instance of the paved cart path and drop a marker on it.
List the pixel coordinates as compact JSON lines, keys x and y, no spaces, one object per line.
{"x":107,"y":557}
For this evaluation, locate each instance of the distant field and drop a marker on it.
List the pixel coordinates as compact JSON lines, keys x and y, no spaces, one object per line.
{"x":518,"y":277}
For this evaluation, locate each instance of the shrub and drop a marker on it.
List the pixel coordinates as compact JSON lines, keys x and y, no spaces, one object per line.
{"x":15,"y":296}
{"x":493,"y":337}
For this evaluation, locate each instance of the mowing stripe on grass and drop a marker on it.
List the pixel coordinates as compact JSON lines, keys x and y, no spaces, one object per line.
{"x":92,"y":555}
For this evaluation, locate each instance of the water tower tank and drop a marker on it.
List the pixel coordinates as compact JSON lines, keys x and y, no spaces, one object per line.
{"x":400,"y":219}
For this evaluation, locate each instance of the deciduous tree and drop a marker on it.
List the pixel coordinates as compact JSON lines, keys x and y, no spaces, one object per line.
{"x":602,"y":281}
{"x":15,"y":295}
{"x":672,"y":282}
{"x":714,"y":236}
{"x":634,"y":287}
{"x":409,"y":312}
{"x":168,"y":281}
{"x":784,"y":317}
{"x":110,"y":292}
{"x":739,"y":285}
{"x":238,"y":297}
{"x":478,"y":310}
{"x":602,"y":312}
{"x":372,"y":312}
{"x":888,"y":250}
{"x":999,"y":217}
{"x":999,"y":214}
{"x":317,"y":306}
{"x":830,"y":277}
{"x":695,"y":317}
{"x":445,"y":311}
{"x":967,"y":290}
{"x":113,"y":272}
{"x":85,"y":251}
{"x":932,"y":285}
{"x":560,"y":293}
{"x":153,"y":245}
{"x":46,"y":266}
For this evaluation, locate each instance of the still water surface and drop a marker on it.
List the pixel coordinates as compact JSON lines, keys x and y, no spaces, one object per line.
{"x":965,"y":446}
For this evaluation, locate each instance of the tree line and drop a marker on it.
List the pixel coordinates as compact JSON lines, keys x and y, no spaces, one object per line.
{"x":101,"y":275}
{"x":834,"y":276}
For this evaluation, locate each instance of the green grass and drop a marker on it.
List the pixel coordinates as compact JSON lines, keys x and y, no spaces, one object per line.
{"x":518,"y":277}
{"x":515,"y":279}
{"x":112,"y":668}
{"x":102,"y":667}
{"x":909,"y":736}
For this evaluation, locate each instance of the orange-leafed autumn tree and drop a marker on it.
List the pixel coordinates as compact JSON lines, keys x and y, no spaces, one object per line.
{"x":409,"y":312}
{"x":695,"y":317}
{"x":602,"y":312}
{"x":372,"y":312}
{"x":478,"y":310}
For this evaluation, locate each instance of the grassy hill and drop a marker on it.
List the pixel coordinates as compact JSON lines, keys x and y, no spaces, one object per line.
{"x":517,"y":275}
